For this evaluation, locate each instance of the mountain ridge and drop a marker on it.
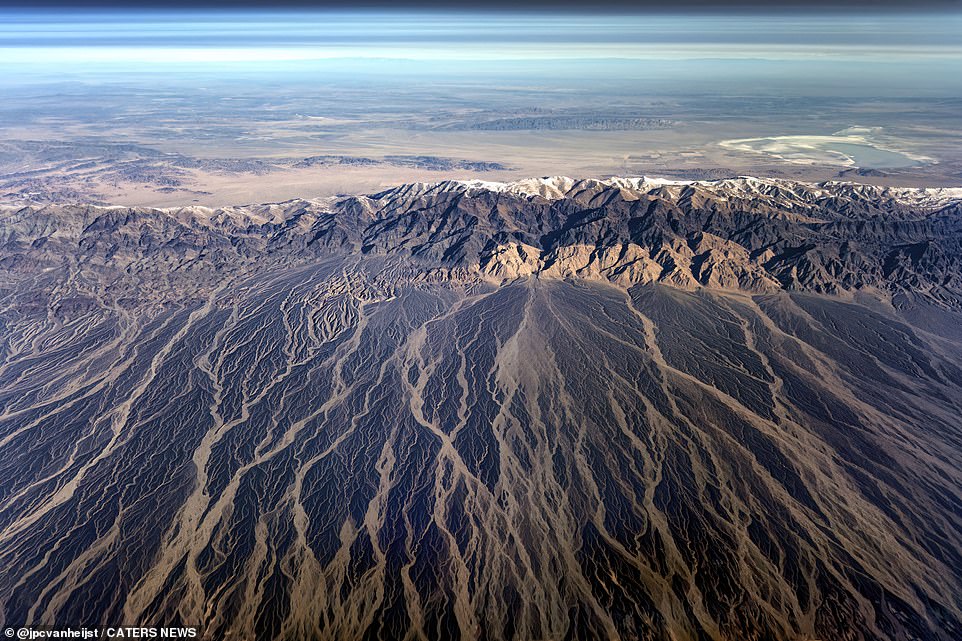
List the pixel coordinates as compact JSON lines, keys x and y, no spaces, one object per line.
{"x":749,"y":234}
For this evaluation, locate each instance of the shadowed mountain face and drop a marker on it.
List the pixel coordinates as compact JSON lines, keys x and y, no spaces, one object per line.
{"x":553,"y":409}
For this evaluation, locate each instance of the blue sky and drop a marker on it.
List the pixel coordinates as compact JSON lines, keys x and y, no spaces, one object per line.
{"x":917,"y":52}
{"x":471,"y":35}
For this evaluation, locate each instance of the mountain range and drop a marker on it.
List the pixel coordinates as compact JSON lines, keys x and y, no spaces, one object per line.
{"x":629,"y":408}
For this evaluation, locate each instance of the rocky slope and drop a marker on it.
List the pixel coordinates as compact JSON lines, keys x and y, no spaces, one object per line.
{"x":743,"y":234}
{"x":552,"y":409}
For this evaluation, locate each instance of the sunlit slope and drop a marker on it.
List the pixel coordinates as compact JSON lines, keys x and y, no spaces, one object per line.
{"x":256,"y":426}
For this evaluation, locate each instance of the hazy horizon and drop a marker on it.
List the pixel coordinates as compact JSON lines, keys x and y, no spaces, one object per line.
{"x":422,"y":93}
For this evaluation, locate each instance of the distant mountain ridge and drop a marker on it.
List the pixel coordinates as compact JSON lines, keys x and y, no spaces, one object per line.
{"x":755,"y":235}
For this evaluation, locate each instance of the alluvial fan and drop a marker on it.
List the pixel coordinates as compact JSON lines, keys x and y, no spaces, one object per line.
{"x":553,"y":409}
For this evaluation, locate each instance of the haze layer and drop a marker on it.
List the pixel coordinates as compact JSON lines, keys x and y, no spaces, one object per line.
{"x":168,"y":108}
